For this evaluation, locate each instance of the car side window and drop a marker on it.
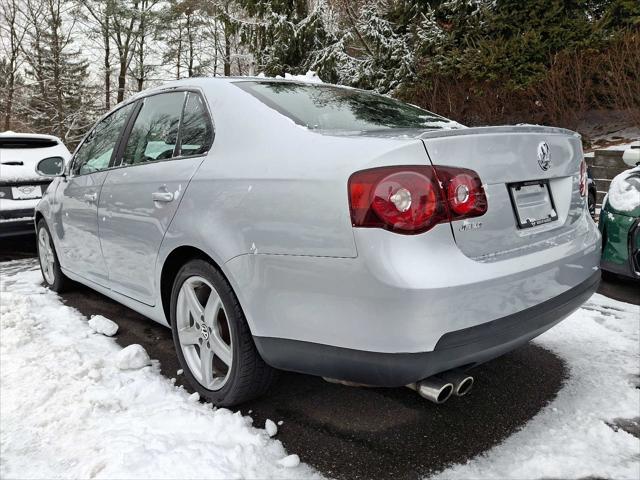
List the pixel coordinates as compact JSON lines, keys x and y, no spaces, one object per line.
{"x":196,"y":132}
{"x":155,"y":132}
{"x":95,"y":152}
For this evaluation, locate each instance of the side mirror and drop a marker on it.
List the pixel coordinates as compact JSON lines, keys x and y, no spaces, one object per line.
{"x":51,"y":167}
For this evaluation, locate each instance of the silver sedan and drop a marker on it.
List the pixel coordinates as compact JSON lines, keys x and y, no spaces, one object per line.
{"x":277,"y":224}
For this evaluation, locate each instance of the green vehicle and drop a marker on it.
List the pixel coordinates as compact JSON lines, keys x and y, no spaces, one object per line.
{"x":620,"y":225}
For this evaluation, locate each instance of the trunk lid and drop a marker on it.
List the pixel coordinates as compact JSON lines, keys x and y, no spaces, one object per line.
{"x":531,"y":178}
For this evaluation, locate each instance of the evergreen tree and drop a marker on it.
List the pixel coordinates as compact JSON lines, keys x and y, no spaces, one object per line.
{"x":374,"y":44}
{"x":181,"y":28}
{"x":11,"y":94}
{"x":284,"y":35}
{"x":61,"y":100}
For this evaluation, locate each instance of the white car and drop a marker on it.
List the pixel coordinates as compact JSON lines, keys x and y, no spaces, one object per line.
{"x":631,"y":155}
{"x":21,"y":187}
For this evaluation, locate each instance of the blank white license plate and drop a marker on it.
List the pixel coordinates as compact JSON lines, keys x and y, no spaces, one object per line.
{"x":25,"y":192}
{"x":532,"y":203}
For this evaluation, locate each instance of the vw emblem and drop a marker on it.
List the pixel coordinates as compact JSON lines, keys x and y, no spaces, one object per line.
{"x":205,"y":332}
{"x":544,"y":156}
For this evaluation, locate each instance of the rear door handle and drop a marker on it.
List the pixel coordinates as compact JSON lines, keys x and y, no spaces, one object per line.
{"x":162,"y":196}
{"x":91,"y":197}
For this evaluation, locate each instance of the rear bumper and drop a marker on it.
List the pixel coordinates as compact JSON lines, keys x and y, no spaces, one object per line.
{"x":462,"y":348}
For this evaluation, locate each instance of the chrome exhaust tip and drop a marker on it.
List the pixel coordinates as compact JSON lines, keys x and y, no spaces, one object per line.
{"x":434,"y":389}
{"x":462,"y":383}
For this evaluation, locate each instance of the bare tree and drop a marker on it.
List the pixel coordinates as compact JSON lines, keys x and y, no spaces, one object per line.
{"x":13,"y":34}
{"x":146,"y":38}
{"x":119,"y":21}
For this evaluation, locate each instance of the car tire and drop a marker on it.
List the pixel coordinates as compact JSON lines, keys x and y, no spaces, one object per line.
{"x":53,"y":277}
{"x":205,"y":345}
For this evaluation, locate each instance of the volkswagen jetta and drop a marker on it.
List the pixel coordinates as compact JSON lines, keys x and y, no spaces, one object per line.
{"x":277,"y":224}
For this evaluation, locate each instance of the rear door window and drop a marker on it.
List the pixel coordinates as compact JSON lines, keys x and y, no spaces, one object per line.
{"x":154,"y":135}
{"x":96,"y":151}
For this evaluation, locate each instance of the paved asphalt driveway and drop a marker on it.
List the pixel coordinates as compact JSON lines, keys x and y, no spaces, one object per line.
{"x":365,"y":433}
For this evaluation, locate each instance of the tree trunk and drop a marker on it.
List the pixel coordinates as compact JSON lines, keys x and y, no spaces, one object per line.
{"x":56,"y":23}
{"x":190,"y":38}
{"x":227,"y":53}
{"x":9,"y":101}
{"x":107,"y":63}
{"x":142,"y":34}
{"x":122,"y":78}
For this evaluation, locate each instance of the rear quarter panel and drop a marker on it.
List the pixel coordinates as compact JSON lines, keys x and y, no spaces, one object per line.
{"x":269,"y":186}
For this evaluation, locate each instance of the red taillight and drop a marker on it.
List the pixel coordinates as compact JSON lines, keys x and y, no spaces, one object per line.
{"x":412,"y":199}
{"x":465,"y":194}
{"x":583,"y":178}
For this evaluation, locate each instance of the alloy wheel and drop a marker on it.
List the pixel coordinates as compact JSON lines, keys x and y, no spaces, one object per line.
{"x":204,"y":334}
{"x":46,"y":255}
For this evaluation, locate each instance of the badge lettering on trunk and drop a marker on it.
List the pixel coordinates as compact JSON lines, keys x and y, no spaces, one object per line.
{"x":544,"y":156}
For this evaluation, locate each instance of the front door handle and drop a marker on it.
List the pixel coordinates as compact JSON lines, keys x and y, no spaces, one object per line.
{"x":162,"y":196}
{"x":91,"y":197}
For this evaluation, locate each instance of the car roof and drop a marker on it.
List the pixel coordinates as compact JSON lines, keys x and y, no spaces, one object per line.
{"x":204,"y":81}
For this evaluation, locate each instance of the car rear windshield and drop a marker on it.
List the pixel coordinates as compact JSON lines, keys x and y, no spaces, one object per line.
{"x":21,"y":143}
{"x":327,"y":107}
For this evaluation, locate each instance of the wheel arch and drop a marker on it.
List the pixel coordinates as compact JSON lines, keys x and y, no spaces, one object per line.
{"x":172,"y":263}
{"x":38,"y":216}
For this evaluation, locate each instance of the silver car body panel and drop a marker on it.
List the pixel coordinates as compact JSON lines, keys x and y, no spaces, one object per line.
{"x":132,"y":224}
{"x":77,"y":225}
{"x":269,"y":205}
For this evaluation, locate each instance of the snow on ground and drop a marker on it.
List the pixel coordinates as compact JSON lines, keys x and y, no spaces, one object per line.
{"x":623,"y":146}
{"x":571,"y":438}
{"x":67,"y":410}
{"x":616,"y":136}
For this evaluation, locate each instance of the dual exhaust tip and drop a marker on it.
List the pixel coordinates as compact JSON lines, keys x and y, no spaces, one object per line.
{"x":436,"y":389}
{"x":439,"y":388}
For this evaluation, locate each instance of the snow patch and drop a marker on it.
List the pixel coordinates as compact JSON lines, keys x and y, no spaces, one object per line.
{"x":624,"y":191}
{"x":132,"y":357}
{"x":103,"y":325}
{"x":68,"y":411}
{"x":309,"y":77}
{"x":271,"y":427}
{"x":290,"y":461}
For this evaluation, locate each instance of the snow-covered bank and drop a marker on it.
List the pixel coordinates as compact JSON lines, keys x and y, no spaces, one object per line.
{"x":68,"y":411}
{"x":571,"y":437}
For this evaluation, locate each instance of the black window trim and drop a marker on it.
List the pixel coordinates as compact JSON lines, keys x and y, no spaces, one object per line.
{"x":117,"y":164}
{"x":121,"y":142}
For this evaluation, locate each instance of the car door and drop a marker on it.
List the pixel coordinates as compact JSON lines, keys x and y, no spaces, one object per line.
{"x":164,"y":147}
{"x":78,"y":193}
